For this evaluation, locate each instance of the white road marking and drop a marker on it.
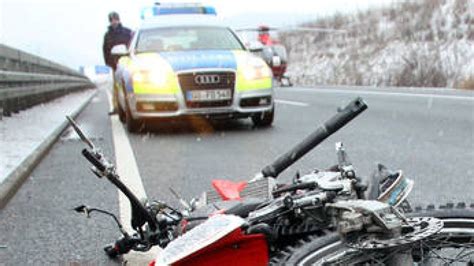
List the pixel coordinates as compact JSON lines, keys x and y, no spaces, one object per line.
{"x":129,"y":174}
{"x":125,"y":161}
{"x":292,"y":103}
{"x":386,"y":93}
{"x":109,"y":98}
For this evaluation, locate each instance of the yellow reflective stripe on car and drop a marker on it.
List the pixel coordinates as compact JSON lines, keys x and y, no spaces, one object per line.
{"x":170,"y":87}
{"x":243,"y":84}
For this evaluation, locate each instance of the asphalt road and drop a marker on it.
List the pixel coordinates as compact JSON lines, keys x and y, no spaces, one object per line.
{"x":427,"y":133}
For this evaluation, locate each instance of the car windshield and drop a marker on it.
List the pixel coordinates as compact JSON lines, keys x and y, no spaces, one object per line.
{"x":187,"y":38}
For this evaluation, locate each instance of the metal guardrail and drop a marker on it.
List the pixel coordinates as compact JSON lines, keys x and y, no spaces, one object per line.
{"x":27,"y":80}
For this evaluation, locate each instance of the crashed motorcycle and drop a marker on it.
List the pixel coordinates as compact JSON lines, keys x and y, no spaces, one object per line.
{"x":325,"y":217}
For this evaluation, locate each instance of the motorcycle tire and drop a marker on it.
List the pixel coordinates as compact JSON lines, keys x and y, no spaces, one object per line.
{"x":456,"y":218}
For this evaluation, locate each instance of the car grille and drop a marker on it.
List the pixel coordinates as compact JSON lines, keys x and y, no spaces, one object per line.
{"x":187,"y":82}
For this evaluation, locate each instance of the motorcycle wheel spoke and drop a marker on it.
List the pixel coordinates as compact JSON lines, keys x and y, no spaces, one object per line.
{"x":443,"y":244}
{"x":458,"y":258}
{"x":465,"y":255}
{"x":435,"y":253}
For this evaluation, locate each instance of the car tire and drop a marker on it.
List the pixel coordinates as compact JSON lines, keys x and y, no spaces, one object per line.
{"x":133,"y":125}
{"x":118,"y":107}
{"x":121,"y":114}
{"x":264,"y":119}
{"x":286,"y":82}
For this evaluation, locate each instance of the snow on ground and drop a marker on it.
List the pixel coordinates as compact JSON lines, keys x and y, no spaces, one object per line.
{"x":419,"y":43}
{"x":22,"y":133}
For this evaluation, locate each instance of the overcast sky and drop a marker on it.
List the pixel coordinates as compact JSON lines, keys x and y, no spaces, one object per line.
{"x":71,"y":31}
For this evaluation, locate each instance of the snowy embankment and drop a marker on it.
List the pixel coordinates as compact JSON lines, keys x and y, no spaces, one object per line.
{"x":424,"y":43}
{"x":22,"y":133}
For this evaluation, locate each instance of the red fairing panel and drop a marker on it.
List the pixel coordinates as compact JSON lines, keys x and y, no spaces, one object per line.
{"x":235,"y":249}
{"x":228,"y":190}
{"x":217,"y":241}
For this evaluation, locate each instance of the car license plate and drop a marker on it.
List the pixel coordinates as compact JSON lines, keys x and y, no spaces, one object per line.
{"x":209,"y":95}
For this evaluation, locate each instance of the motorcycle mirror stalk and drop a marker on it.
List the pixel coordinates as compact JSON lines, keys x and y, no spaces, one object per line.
{"x":87,"y":211}
{"x":93,"y":152}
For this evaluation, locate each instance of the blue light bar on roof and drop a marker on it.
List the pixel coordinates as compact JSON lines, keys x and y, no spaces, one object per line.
{"x":176,"y":9}
{"x":210,"y":10}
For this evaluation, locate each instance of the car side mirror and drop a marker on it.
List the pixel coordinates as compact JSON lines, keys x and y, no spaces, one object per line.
{"x":120,"y":50}
{"x":255,"y":47}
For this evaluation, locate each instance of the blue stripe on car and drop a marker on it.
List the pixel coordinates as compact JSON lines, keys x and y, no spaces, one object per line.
{"x":185,"y":60}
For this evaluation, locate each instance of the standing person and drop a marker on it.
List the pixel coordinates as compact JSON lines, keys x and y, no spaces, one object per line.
{"x":115,"y":35}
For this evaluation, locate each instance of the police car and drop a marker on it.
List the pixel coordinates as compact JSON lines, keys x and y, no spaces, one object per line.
{"x":191,"y":65}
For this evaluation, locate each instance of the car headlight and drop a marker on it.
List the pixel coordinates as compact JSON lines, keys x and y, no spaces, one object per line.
{"x":256,"y":69}
{"x":157,"y":78}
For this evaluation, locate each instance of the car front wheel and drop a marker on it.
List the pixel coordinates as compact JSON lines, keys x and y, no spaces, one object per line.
{"x":264,"y":119}
{"x":121,"y":113}
{"x":133,"y":125}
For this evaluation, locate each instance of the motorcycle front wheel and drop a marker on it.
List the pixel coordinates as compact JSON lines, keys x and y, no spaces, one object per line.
{"x":452,"y":245}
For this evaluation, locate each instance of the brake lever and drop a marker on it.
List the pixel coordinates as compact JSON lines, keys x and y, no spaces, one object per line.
{"x":81,"y":134}
{"x":96,"y":172}
{"x":93,"y":155}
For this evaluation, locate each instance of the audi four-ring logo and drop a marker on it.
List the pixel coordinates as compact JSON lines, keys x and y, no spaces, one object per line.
{"x":207,"y":79}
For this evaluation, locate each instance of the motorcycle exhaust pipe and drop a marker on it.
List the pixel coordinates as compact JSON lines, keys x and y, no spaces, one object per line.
{"x":340,"y":119}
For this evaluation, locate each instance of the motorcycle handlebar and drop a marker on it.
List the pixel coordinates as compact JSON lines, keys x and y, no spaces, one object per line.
{"x":93,"y":160}
{"x":140,"y":214}
{"x":294,"y":187}
{"x":340,"y":119}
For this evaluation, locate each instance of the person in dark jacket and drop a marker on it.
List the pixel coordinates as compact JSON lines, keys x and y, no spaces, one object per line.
{"x":115,"y":35}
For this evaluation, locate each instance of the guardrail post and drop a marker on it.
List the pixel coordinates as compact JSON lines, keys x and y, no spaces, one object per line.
{"x":6,"y":108}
